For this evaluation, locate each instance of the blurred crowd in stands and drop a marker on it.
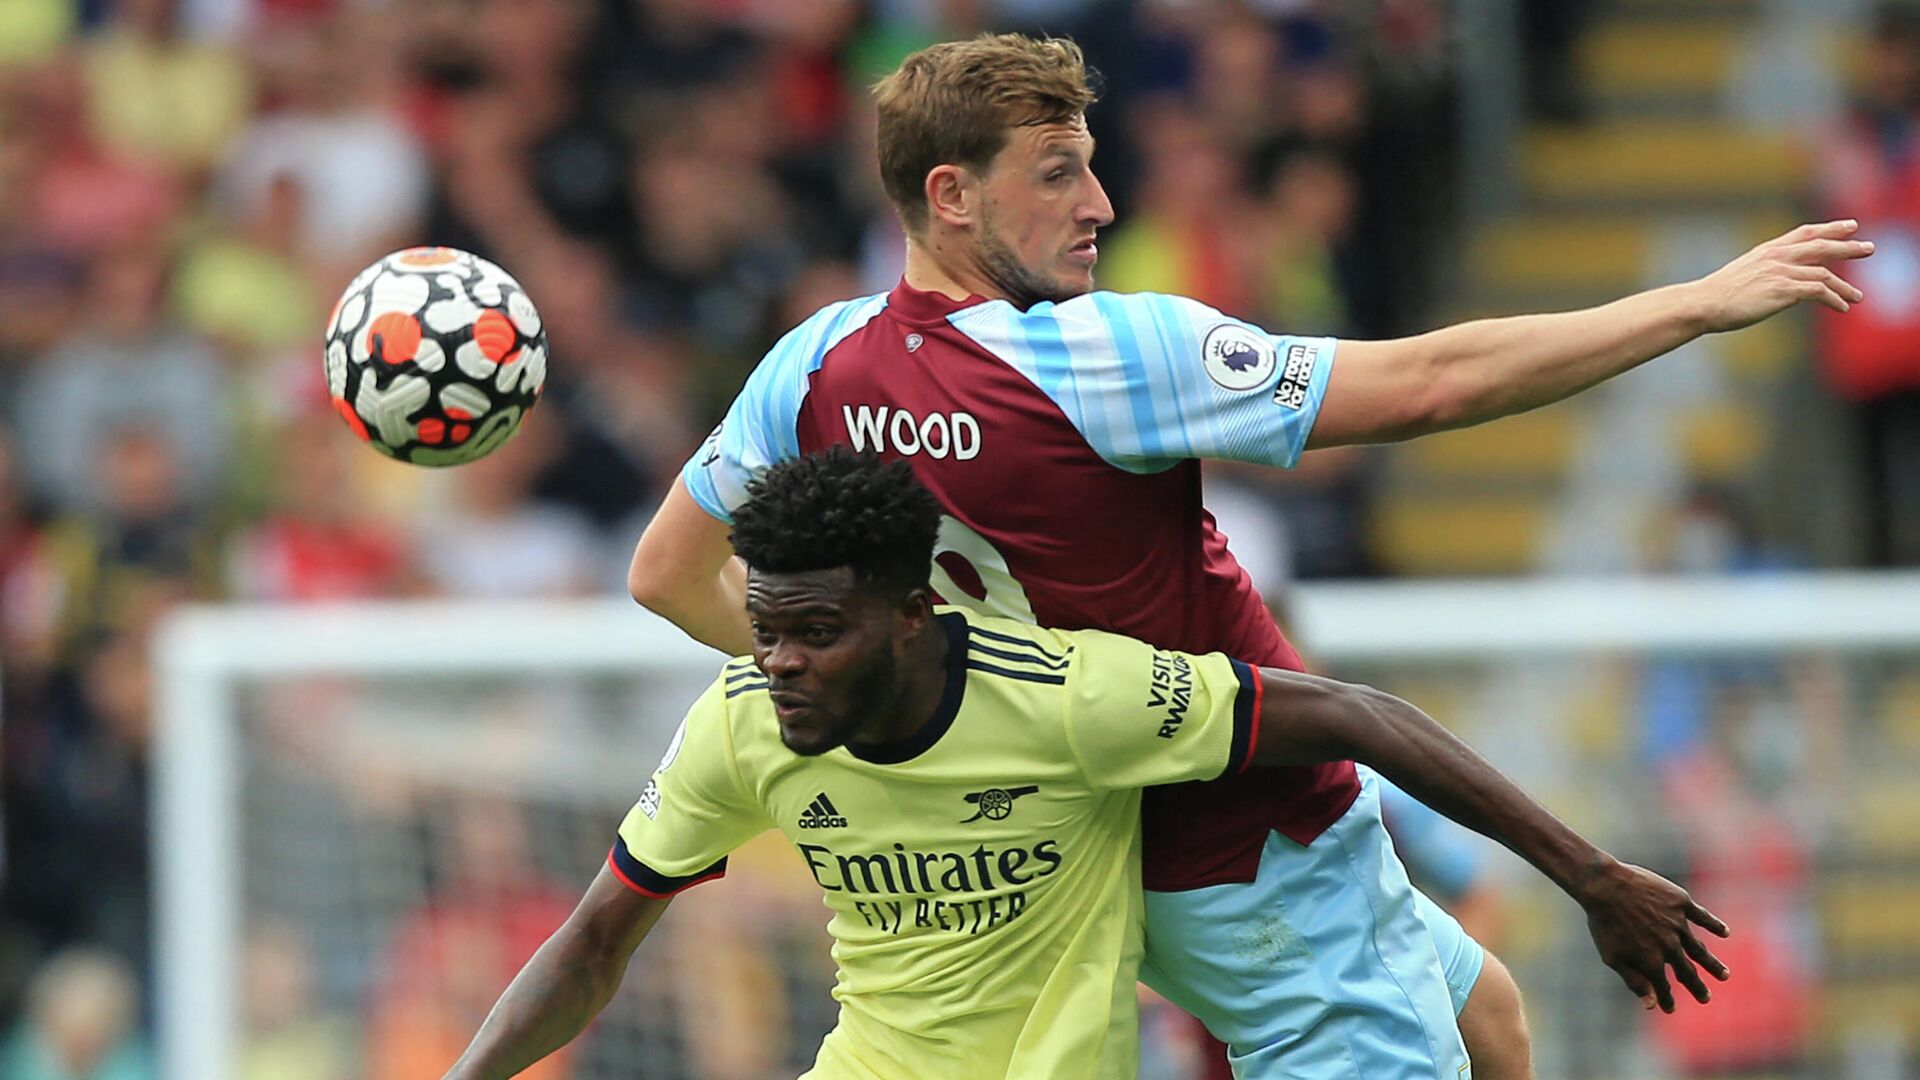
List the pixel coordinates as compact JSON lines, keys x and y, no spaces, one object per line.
{"x":185,"y":186}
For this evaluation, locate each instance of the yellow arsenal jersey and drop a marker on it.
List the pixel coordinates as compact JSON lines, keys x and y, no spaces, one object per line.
{"x":984,"y":875}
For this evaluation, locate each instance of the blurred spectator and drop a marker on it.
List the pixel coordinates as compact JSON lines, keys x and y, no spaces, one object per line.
{"x":40,"y":291}
{"x":530,"y":155}
{"x":494,"y":542}
{"x":617,"y":396}
{"x":31,"y":29}
{"x":19,"y":544}
{"x":449,"y":960}
{"x":1750,"y":866}
{"x":80,"y":1023}
{"x":243,"y":285}
{"x":157,"y":95}
{"x":77,"y":781}
{"x":118,"y":566}
{"x":1550,"y":31}
{"x":1728,"y":742}
{"x":333,"y":129}
{"x":1870,"y":169}
{"x":652,"y":51}
{"x":289,"y":1034}
{"x":1319,"y":508}
{"x":127,"y":365}
{"x":1188,"y":233}
{"x":713,"y":235}
{"x":76,"y":195}
{"x":1311,"y":202}
{"x":318,"y":542}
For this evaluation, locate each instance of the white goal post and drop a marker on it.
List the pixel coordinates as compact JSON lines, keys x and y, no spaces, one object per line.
{"x":206,"y":654}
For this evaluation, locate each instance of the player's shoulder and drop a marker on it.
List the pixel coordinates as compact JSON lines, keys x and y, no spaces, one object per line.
{"x":735,"y":694}
{"x":740,"y":684}
{"x":1011,"y":649}
{"x":1102,"y":303}
{"x":1098,"y":311}
{"x":817,"y":334}
{"x":773,"y":392}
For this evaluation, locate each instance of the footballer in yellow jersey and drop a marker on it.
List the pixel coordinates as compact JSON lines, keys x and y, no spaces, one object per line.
{"x":965,"y":791}
{"x":984,"y":874}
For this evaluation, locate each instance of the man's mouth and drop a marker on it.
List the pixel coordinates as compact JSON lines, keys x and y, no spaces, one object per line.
{"x":788,"y":706}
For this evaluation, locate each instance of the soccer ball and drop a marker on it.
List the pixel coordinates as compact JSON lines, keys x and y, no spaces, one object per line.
{"x":434,"y":356}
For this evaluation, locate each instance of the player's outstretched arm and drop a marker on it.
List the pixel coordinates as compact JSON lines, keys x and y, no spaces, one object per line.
{"x":1385,"y":391}
{"x":684,"y":570}
{"x":565,"y":985}
{"x":1641,"y":922}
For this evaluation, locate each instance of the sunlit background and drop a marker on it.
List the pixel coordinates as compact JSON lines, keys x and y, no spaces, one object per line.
{"x":358,"y":824}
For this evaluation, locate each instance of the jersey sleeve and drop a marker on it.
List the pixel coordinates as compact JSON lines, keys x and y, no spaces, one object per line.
{"x":1151,"y":380}
{"x":1139,"y":716}
{"x":761,"y":426}
{"x":693,"y":811}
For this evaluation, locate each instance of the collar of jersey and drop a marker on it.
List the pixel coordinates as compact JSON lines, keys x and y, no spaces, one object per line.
{"x":955,"y":624}
{"x":917,"y":308}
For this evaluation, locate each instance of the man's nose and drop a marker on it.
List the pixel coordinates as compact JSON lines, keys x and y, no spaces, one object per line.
{"x":1098,"y":210}
{"x":784,"y":661}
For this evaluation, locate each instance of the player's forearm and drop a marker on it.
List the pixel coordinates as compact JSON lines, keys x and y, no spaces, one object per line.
{"x":554,"y":997}
{"x":684,"y":570}
{"x":1324,"y":720}
{"x":711,"y":609}
{"x":1491,"y":368}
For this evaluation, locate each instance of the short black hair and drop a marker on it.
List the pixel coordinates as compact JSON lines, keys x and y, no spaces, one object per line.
{"x":835,"y":508}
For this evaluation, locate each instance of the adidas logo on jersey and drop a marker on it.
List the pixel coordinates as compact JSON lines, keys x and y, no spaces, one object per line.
{"x":821,"y":814}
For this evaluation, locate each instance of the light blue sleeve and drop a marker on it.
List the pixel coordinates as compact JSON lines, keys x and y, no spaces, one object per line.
{"x":759,"y":428}
{"x":1151,"y":380}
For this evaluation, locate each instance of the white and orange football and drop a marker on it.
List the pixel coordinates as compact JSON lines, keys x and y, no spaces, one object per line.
{"x":435,"y":356}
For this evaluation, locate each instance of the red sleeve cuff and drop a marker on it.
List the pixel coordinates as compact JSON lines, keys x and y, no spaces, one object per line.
{"x":644,"y":880}
{"x":1246,"y":716}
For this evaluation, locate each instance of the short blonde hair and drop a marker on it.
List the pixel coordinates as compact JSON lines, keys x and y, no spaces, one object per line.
{"x":955,"y":104}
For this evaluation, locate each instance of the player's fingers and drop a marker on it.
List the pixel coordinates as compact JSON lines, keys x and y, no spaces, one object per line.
{"x":1708,"y":919}
{"x":1662,"y":990}
{"x":1819,"y":293}
{"x":1847,"y":290}
{"x":1823,"y":230}
{"x":1689,"y":976}
{"x":1702,"y":955}
{"x":1844,"y":289}
{"x":1826,"y":251}
{"x":1637,"y":983}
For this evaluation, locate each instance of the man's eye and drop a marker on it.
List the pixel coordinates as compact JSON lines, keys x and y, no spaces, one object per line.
{"x":819,"y":633}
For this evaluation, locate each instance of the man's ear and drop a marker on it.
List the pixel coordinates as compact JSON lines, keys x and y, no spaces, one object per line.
{"x":953,"y":195}
{"x":916,"y":611}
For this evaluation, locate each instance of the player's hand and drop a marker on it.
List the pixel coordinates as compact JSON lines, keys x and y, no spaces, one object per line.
{"x":1643,"y":924}
{"x":1784,"y":271}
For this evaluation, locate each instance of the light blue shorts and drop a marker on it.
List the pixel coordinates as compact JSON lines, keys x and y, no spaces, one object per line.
{"x":1330,"y":965}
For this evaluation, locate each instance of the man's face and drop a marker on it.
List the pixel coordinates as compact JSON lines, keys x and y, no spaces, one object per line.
{"x":1041,"y":207}
{"x":829,"y":647}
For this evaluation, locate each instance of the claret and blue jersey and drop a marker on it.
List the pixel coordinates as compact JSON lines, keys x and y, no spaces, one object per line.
{"x":1063,"y":442}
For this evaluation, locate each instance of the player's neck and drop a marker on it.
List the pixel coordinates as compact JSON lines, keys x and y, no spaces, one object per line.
{"x":932,"y":269}
{"x":922,"y":683}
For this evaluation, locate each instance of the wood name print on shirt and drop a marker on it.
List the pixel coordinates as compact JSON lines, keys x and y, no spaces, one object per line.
{"x":938,"y":435}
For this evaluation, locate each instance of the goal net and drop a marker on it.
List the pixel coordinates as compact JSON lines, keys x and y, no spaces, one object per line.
{"x":369,"y":816}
